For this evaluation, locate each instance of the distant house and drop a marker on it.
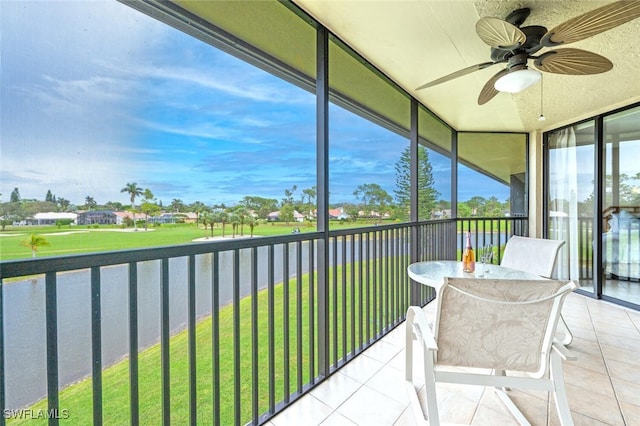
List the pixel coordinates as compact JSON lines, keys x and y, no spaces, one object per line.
{"x":121,"y":217}
{"x":50,"y":218}
{"x":275,"y":216}
{"x":98,"y":217}
{"x":372,"y":214}
{"x":163,"y":218}
{"x":441,"y":214}
{"x":172,"y":217}
{"x":338,"y":214}
{"x":188,"y":217}
{"x":107,"y":217}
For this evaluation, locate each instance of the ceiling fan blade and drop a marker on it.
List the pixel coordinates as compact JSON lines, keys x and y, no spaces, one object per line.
{"x":489,"y":91}
{"x":573,"y":62}
{"x":458,"y":73}
{"x":501,"y":34}
{"x":591,"y":23}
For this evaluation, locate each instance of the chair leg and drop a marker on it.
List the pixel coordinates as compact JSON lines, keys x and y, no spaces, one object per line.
{"x":415,"y":315}
{"x":513,"y":409}
{"x":564,"y":328}
{"x":408,"y":365}
{"x":430,"y":388}
{"x":559,"y":390}
{"x":408,"y":348}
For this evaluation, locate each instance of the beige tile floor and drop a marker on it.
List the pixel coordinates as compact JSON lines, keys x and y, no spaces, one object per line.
{"x":603,"y":384}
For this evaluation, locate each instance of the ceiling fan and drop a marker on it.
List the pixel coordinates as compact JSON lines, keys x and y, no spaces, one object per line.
{"x":515,"y":45}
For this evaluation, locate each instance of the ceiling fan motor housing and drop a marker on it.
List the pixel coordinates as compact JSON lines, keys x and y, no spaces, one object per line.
{"x":517,"y":61}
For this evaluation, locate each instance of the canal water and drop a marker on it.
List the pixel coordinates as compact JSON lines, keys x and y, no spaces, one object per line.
{"x":24,"y":314}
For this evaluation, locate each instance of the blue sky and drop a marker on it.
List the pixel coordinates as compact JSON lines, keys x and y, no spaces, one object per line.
{"x":96,"y":95}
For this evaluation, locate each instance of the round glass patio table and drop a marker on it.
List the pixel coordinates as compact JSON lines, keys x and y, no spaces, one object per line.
{"x":432,"y":273}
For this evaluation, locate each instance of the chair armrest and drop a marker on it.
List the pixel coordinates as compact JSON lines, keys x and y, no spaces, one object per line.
{"x":562,"y":350}
{"x":416,"y":319}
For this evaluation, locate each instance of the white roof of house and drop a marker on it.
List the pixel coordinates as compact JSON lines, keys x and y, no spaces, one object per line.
{"x":55,"y":216}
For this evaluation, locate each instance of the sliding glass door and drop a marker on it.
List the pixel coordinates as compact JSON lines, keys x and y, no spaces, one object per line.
{"x":621,"y":206}
{"x":593,"y":200}
{"x":571,"y":154}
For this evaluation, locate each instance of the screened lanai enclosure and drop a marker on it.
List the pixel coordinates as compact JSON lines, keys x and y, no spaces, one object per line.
{"x":220,"y":102}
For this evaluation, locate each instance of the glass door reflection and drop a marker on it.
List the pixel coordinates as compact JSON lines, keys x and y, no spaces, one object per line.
{"x":570,"y":203}
{"x":621,"y":206}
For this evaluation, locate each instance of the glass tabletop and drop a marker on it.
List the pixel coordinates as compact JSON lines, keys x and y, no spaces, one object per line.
{"x":432,"y":273}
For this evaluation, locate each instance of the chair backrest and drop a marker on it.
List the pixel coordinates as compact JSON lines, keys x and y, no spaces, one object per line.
{"x":498,"y":324}
{"x":535,"y":255}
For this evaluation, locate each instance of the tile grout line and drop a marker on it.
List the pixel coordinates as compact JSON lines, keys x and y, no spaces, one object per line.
{"x":606,"y":364}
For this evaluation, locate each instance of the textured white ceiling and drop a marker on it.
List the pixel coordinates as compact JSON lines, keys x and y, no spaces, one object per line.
{"x":416,"y":41}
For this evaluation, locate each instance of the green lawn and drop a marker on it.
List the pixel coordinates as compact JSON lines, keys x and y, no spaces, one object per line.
{"x":82,"y":239}
{"x":71,"y":240}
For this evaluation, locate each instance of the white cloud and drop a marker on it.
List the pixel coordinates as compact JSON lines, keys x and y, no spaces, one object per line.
{"x":69,"y":178}
{"x":201,"y":130}
{"x":80,"y":96}
{"x":101,"y":95}
{"x":65,"y":120}
{"x":352,"y":163}
{"x":225,"y":77}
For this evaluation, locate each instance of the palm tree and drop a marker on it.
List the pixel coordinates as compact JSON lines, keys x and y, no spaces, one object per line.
{"x":134,"y":191}
{"x":224,"y":219}
{"x":252,"y":222}
{"x":216,"y":217}
{"x":311,"y":195}
{"x":64,"y":204}
{"x":234,"y":219}
{"x":208,"y":219}
{"x":148,"y":206}
{"x":198,"y":207}
{"x":177,"y":205}
{"x":241,"y":212}
{"x":89,"y":202}
{"x":34,"y":242}
{"x":212,"y":222}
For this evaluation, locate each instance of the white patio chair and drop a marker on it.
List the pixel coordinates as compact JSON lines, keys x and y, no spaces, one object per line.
{"x":538,"y":256}
{"x":535,"y":255}
{"x":491,"y":324}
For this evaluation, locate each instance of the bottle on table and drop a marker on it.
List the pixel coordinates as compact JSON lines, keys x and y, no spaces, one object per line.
{"x":468,"y":256}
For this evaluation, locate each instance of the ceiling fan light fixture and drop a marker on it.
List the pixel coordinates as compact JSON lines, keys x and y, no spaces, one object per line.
{"x":517,"y":81}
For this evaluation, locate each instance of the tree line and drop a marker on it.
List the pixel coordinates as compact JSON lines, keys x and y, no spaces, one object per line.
{"x":370,"y":201}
